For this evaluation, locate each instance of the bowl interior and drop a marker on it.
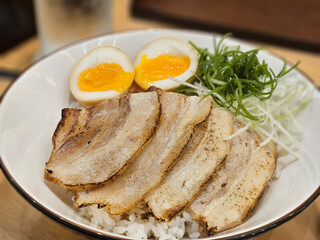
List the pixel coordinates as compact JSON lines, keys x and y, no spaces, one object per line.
{"x":31,"y":110}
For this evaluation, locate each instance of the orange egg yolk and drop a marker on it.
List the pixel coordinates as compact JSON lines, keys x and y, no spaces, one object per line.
{"x":105,"y":76}
{"x":159,"y":68}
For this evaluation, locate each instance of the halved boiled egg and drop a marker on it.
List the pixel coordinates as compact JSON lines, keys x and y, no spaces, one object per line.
{"x":105,"y":72}
{"x":163,"y":58}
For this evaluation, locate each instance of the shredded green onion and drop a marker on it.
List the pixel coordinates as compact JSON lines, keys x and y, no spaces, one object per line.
{"x":232,"y":75}
{"x":264,"y":101}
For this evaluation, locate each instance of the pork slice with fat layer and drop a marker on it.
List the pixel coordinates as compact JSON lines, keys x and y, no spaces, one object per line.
{"x":115,"y":132}
{"x":179,"y":115}
{"x":228,"y":175}
{"x":203,"y":155}
{"x":232,"y":208}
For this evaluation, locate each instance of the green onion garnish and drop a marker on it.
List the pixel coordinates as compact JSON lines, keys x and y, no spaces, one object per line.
{"x":231,"y":75}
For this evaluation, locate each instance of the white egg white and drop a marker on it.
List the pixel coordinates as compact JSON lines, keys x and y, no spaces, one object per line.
{"x":174,"y":47}
{"x":104,"y":54}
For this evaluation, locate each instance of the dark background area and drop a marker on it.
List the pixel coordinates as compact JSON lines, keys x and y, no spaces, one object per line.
{"x":17,"y":22}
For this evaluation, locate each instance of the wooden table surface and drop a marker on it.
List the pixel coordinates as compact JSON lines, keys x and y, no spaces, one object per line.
{"x":20,"y":221}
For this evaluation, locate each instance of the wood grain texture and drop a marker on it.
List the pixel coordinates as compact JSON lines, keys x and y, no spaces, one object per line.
{"x":21,"y":221}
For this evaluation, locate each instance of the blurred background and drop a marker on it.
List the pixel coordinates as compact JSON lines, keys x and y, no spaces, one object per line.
{"x":30,"y":29}
{"x":292,"y":23}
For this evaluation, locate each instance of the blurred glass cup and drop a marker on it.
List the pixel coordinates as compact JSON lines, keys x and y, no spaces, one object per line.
{"x":60,"y":22}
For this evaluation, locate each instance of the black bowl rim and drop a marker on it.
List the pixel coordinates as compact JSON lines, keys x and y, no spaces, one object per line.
{"x":90,"y":232}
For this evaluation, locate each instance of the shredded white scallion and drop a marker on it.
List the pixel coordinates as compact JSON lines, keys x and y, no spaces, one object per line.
{"x":277,"y":115}
{"x":241,"y":130}
{"x":183,"y":82}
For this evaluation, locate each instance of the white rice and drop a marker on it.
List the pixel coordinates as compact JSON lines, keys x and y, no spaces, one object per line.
{"x":138,"y":223}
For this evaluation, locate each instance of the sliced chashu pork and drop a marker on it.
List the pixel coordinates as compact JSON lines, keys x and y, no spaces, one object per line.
{"x":238,"y":185}
{"x":228,"y":175}
{"x":115,"y":132}
{"x":203,"y":155}
{"x":179,"y":115}
{"x":79,"y":129}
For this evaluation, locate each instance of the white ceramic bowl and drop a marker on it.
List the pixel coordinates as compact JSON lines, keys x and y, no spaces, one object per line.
{"x":30,"y":111}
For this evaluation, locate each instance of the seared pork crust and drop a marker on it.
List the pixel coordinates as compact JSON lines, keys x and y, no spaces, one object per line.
{"x":105,"y":144}
{"x":203,"y":155}
{"x":179,"y":115}
{"x":69,"y":124}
